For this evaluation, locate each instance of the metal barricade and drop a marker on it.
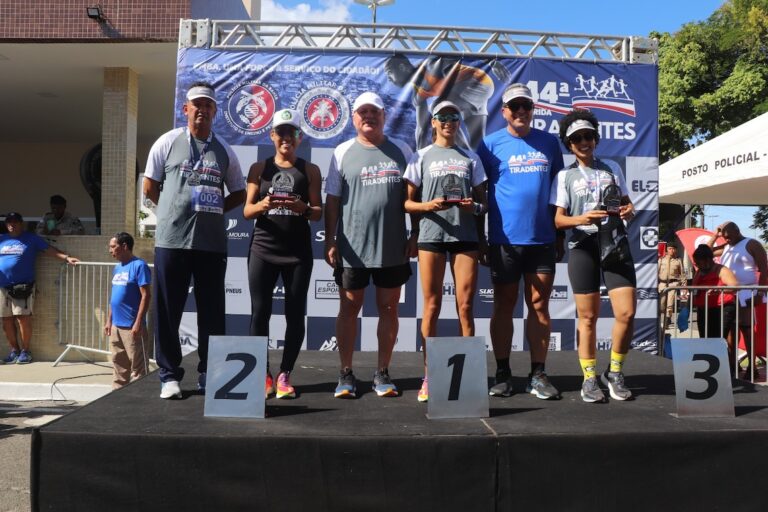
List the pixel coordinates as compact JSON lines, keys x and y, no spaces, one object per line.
{"x":747,"y":330}
{"x":83,"y":306}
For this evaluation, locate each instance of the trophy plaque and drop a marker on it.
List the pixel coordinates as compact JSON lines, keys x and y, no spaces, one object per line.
{"x":452,"y":190}
{"x":282,"y":186}
{"x":612,"y":199}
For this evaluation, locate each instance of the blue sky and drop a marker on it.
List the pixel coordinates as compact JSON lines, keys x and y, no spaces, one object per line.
{"x":601,"y":17}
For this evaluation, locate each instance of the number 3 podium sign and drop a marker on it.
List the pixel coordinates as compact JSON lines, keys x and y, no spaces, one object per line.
{"x":458,"y":378}
{"x":702,"y":377}
{"x":237,"y":368}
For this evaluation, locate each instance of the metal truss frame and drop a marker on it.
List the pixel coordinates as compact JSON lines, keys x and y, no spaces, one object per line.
{"x":414,"y":39}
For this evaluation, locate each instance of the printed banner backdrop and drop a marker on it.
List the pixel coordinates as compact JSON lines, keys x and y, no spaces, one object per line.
{"x":252,"y":85}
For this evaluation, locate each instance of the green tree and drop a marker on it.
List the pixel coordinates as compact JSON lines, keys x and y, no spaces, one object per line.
{"x":713,"y":76}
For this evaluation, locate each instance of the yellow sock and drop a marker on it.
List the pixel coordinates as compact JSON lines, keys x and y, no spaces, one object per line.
{"x":617,"y":361}
{"x":588,"y":367}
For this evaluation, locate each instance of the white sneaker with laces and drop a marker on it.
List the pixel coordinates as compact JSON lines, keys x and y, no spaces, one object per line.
{"x":170,"y":389}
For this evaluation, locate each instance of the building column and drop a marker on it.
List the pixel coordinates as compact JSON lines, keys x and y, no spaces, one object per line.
{"x":118,"y":151}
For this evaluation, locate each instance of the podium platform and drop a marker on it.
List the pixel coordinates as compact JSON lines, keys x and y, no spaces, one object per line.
{"x":132,"y":451}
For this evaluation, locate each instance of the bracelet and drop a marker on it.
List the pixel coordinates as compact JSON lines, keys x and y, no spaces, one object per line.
{"x":308,"y":211}
{"x":479,"y":210}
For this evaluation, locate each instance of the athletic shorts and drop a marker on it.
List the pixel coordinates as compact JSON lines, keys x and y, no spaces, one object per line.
{"x":384,"y":277}
{"x":449,"y":247}
{"x":584,"y":269}
{"x":509,"y":262}
{"x":15,"y":307}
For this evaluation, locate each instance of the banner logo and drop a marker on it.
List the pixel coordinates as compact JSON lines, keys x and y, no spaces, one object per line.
{"x":325,"y":112}
{"x":649,"y":237}
{"x":326,"y":289}
{"x":250,"y":107}
{"x":607,"y":94}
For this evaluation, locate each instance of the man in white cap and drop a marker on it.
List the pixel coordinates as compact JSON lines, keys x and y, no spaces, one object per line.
{"x":365,"y":236}
{"x":193,"y":166}
{"x":521,"y":162}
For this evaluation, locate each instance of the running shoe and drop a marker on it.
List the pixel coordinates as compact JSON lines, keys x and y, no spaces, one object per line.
{"x":423,"y":392}
{"x":382,"y":383}
{"x":347,"y":387}
{"x":503,"y":386}
{"x":25,"y":357}
{"x":284,"y":388}
{"x":201,"y":382}
{"x":170,"y":389}
{"x":591,"y":392}
{"x":540,"y":387}
{"x":269,"y":386}
{"x":11,"y":358}
{"x":614,"y":381}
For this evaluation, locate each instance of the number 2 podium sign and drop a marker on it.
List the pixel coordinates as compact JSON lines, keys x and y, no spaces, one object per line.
{"x":237,"y":367}
{"x":458,"y":378}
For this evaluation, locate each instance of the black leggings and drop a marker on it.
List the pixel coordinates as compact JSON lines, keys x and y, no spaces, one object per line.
{"x":262,"y":277}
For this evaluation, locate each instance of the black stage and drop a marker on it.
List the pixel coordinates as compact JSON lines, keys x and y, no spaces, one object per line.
{"x":132,"y":451}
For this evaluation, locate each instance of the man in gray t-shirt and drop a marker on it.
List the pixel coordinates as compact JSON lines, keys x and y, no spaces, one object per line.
{"x":365,"y":236}
{"x":193,"y":166}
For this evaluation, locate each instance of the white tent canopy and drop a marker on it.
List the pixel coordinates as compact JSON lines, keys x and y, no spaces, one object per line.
{"x":731,"y":169}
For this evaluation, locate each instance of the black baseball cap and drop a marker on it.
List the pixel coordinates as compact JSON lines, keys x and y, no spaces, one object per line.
{"x":14,"y":216}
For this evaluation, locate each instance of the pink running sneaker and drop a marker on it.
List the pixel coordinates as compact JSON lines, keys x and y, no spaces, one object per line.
{"x":284,"y":388}
{"x":269,"y":387}
{"x":424,"y":391}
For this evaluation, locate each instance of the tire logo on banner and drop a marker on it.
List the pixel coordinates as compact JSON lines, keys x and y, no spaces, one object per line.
{"x":250,"y":107}
{"x":324,"y":111}
{"x":649,"y":237}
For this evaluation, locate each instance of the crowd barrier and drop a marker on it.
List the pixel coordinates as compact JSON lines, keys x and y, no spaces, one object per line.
{"x":753,"y":336}
{"x":84,"y":294}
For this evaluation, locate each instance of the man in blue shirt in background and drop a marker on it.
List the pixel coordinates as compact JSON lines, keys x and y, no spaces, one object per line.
{"x":128,"y":305}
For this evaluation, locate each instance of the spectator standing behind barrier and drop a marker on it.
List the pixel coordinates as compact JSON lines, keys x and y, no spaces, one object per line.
{"x":193,"y":165}
{"x":746,"y":258}
{"x":59,"y":221}
{"x":126,"y":318}
{"x":446,"y":187}
{"x":594,"y":202}
{"x":670,"y":274}
{"x":365,"y":236}
{"x":283,"y":194}
{"x":18,"y":254}
{"x":521,"y":163}
{"x":715,"y":310}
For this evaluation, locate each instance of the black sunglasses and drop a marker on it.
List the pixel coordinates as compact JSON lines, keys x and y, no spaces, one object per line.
{"x":447,"y":118}
{"x":287,"y":131}
{"x":525,"y":105}
{"x":577,"y":138}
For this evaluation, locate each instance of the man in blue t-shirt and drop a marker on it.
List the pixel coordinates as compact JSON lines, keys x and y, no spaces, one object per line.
{"x":18,"y":254}
{"x":128,"y":305}
{"x":521,"y":163}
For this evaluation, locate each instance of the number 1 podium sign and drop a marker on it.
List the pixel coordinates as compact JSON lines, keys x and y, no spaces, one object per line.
{"x":702,"y":377}
{"x":457,"y":373}
{"x":237,"y":368}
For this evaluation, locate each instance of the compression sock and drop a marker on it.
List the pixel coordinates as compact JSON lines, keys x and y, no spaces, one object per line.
{"x":588,"y":367}
{"x":617,"y":361}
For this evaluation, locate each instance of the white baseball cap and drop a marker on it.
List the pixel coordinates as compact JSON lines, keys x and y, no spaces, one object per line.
{"x":579,"y":124}
{"x":286,"y":116}
{"x":445,"y":104}
{"x":368,"y":98}
{"x":201,"y":91}
{"x":516,"y":91}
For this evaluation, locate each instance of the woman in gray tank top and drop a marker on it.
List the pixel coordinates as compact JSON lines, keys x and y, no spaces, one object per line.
{"x":446,"y":186}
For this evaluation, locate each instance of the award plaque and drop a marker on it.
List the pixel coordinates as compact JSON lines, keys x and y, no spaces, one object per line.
{"x":612,"y":199}
{"x":282,"y":186}
{"x":452,"y":190}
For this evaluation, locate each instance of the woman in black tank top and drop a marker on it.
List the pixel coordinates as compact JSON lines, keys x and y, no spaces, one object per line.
{"x":283,"y":195}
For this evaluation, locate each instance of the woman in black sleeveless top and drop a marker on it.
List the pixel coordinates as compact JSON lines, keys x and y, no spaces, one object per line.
{"x":283,"y":194}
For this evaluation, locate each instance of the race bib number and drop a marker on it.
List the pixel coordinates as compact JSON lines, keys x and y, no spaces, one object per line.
{"x":207,"y":199}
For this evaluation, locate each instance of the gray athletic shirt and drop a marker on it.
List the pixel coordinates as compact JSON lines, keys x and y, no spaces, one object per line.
{"x":368,"y":182}
{"x":577,"y":189}
{"x":190,"y":211}
{"x":426,"y":170}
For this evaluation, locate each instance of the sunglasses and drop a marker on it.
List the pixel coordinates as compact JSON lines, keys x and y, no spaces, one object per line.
{"x":525,"y":105}
{"x":446,"y":118}
{"x":287,"y":131}
{"x":576,"y":139}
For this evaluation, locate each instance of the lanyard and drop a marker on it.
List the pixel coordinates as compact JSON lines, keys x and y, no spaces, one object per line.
{"x":592,"y":187}
{"x":193,"y":145}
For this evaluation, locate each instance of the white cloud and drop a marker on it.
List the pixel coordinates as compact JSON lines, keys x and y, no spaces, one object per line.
{"x":328,"y":10}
